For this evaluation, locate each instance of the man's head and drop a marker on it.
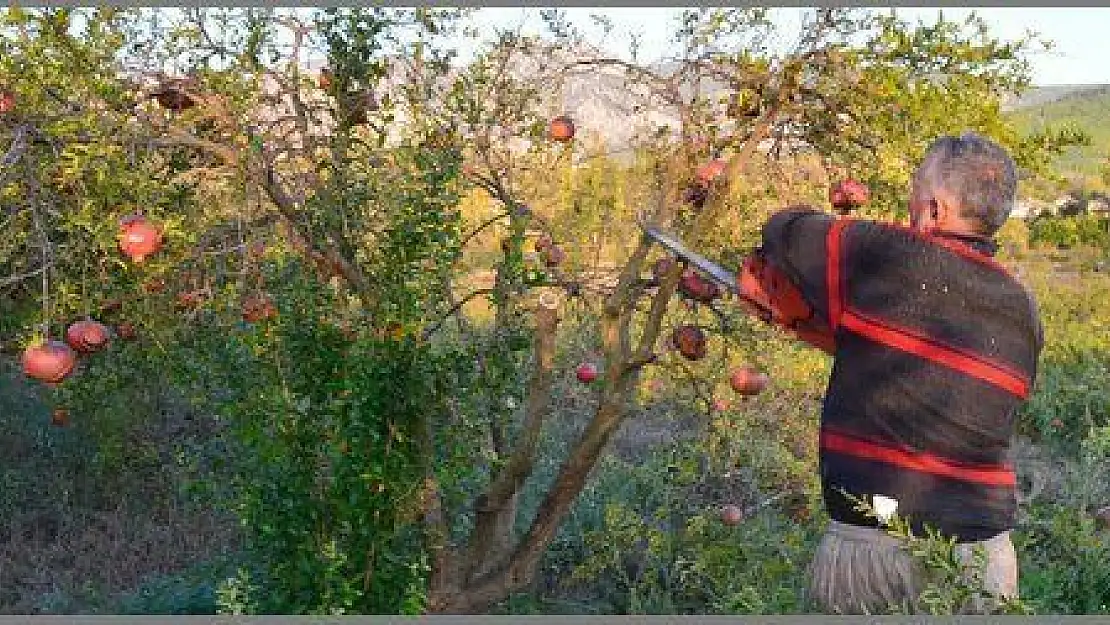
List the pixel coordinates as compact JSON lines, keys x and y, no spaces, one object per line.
{"x":964,"y":184}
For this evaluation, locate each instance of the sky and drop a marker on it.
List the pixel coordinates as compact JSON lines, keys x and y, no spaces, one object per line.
{"x":1081,"y":52}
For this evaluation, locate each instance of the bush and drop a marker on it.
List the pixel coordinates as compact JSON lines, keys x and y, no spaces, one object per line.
{"x":1069,"y":232}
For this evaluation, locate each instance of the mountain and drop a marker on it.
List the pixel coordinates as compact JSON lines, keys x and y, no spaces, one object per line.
{"x":1086,"y":107}
{"x":1047,"y":94}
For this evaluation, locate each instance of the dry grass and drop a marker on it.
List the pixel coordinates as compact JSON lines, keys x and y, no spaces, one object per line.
{"x":71,"y":540}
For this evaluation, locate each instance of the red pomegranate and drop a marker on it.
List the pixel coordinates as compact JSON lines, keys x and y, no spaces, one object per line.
{"x":586,"y":372}
{"x":139,"y":238}
{"x":258,"y":308}
{"x":561,"y":129}
{"x":709,"y":172}
{"x":553,"y":255}
{"x":543,"y":242}
{"x":690,"y":342}
{"x":49,"y":362}
{"x":731,"y":514}
{"x":87,"y":336}
{"x":748,"y":381}
{"x":126,"y":331}
{"x":191,"y":299}
{"x":698,"y":288}
{"x":848,"y":193}
{"x":7,"y":101}
{"x":59,"y":417}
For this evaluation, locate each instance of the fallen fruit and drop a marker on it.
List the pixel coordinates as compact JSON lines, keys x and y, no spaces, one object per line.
{"x":126,"y":331}
{"x":690,"y":342}
{"x":553,"y":255}
{"x":720,"y":405}
{"x":561,"y":129}
{"x":139,"y":239}
{"x":258,"y":308}
{"x":1102,"y":516}
{"x":190,"y":299}
{"x":156,"y":285}
{"x":848,"y":194}
{"x":87,"y":336}
{"x":748,"y":381}
{"x":49,"y":362}
{"x":543,"y":242}
{"x":111,"y":306}
{"x":59,"y":417}
{"x":586,"y":372}
{"x":731,"y":514}
{"x":257,"y":250}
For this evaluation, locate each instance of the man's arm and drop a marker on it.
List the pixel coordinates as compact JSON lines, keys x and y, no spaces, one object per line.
{"x":786,"y":277}
{"x":794,"y":241}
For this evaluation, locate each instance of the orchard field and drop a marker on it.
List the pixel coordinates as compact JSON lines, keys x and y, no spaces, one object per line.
{"x":380,"y":334}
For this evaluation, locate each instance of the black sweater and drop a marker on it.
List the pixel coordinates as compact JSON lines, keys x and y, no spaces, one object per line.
{"x":936,"y":348}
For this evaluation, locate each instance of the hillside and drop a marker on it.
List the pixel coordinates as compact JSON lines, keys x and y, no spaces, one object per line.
{"x":1087,"y":107}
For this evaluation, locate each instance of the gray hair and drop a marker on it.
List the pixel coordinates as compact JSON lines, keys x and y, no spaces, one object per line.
{"x":978,"y":172}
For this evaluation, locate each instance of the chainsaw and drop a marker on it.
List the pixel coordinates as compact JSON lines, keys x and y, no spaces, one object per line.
{"x":761,"y":285}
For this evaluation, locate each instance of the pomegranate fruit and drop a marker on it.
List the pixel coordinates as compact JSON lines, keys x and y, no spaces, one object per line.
{"x":49,"y":362}
{"x":258,"y":308}
{"x":126,"y":331}
{"x":139,"y":238}
{"x":59,"y":417}
{"x":87,"y":336}
{"x":174,"y":99}
{"x":111,"y":306}
{"x":690,"y":342}
{"x":748,"y":381}
{"x":257,"y":250}
{"x":848,"y":193}
{"x":586,"y":372}
{"x":695,"y":195}
{"x":561,"y":129}
{"x":7,"y":101}
{"x":190,"y":299}
{"x":553,"y":256}
{"x":698,"y":288}
{"x":710,"y":171}
{"x":1102,"y":517}
{"x":154,"y":286}
{"x":543,"y":242}
{"x":731,"y":514}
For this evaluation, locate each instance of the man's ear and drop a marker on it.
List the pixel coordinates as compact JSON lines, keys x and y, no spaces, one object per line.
{"x":944,"y":208}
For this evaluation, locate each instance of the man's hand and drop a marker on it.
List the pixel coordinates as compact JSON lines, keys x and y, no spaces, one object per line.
{"x":768,"y":294}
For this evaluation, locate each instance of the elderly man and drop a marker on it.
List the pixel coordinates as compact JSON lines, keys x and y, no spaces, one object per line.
{"x":935,"y":347}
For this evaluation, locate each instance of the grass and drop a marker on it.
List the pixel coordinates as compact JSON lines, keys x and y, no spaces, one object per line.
{"x":76,"y":535}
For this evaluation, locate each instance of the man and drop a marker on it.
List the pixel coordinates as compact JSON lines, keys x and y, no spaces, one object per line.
{"x":935,"y":346}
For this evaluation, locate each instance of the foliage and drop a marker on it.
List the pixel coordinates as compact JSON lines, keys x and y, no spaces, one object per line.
{"x":1068,"y":232}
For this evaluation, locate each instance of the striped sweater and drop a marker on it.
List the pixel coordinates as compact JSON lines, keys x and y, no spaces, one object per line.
{"x":936,"y":347}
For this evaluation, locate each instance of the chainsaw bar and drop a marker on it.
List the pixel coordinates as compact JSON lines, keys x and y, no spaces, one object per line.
{"x":718,"y":273}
